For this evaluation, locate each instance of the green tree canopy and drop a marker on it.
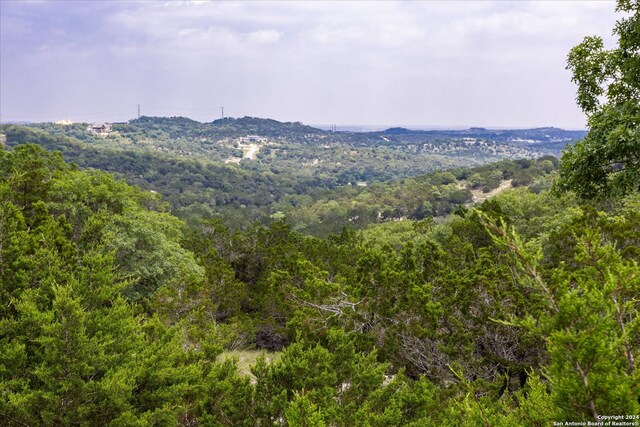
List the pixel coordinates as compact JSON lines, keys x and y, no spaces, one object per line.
{"x":606,"y":163}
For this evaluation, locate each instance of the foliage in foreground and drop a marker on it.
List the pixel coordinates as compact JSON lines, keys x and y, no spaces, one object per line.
{"x":113,"y":314}
{"x":606,"y":163}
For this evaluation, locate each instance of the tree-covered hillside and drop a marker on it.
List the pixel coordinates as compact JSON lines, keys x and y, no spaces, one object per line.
{"x":265,"y":149}
{"x":319,"y":203}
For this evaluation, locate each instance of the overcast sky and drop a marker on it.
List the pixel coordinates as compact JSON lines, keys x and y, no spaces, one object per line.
{"x":467,"y":63}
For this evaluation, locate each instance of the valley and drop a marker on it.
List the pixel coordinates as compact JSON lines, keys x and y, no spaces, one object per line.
{"x":250,"y":169}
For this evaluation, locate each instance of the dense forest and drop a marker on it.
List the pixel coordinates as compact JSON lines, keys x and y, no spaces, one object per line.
{"x":319,"y":203}
{"x":204,"y":169}
{"x":499,"y":295}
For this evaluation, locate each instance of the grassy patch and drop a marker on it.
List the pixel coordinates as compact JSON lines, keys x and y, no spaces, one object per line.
{"x":246,"y":358}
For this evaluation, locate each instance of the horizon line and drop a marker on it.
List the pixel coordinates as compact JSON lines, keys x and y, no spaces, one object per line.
{"x":324,"y":126}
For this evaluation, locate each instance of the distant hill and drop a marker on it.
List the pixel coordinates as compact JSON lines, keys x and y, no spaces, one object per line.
{"x":516,"y":136}
{"x":550,"y":137}
{"x":265,"y":127}
{"x":200,"y":166}
{"x":228,"y":127}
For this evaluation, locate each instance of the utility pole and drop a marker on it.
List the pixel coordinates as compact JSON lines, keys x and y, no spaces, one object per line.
{"x":138,"y":111}
{"x":222,"y":108}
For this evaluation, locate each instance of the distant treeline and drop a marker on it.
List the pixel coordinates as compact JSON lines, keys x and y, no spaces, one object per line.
{"x":195,"y":187}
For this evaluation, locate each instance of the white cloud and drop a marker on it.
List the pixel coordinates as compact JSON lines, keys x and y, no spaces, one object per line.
{"x":435,"y":62}
{"x":264,"y":36}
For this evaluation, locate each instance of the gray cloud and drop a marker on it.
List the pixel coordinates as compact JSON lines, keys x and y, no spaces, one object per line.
{"x":410,"y":63}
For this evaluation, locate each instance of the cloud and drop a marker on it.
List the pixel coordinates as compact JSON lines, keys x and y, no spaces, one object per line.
{"x":434,"y":62}
{"x":264,"y":36}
